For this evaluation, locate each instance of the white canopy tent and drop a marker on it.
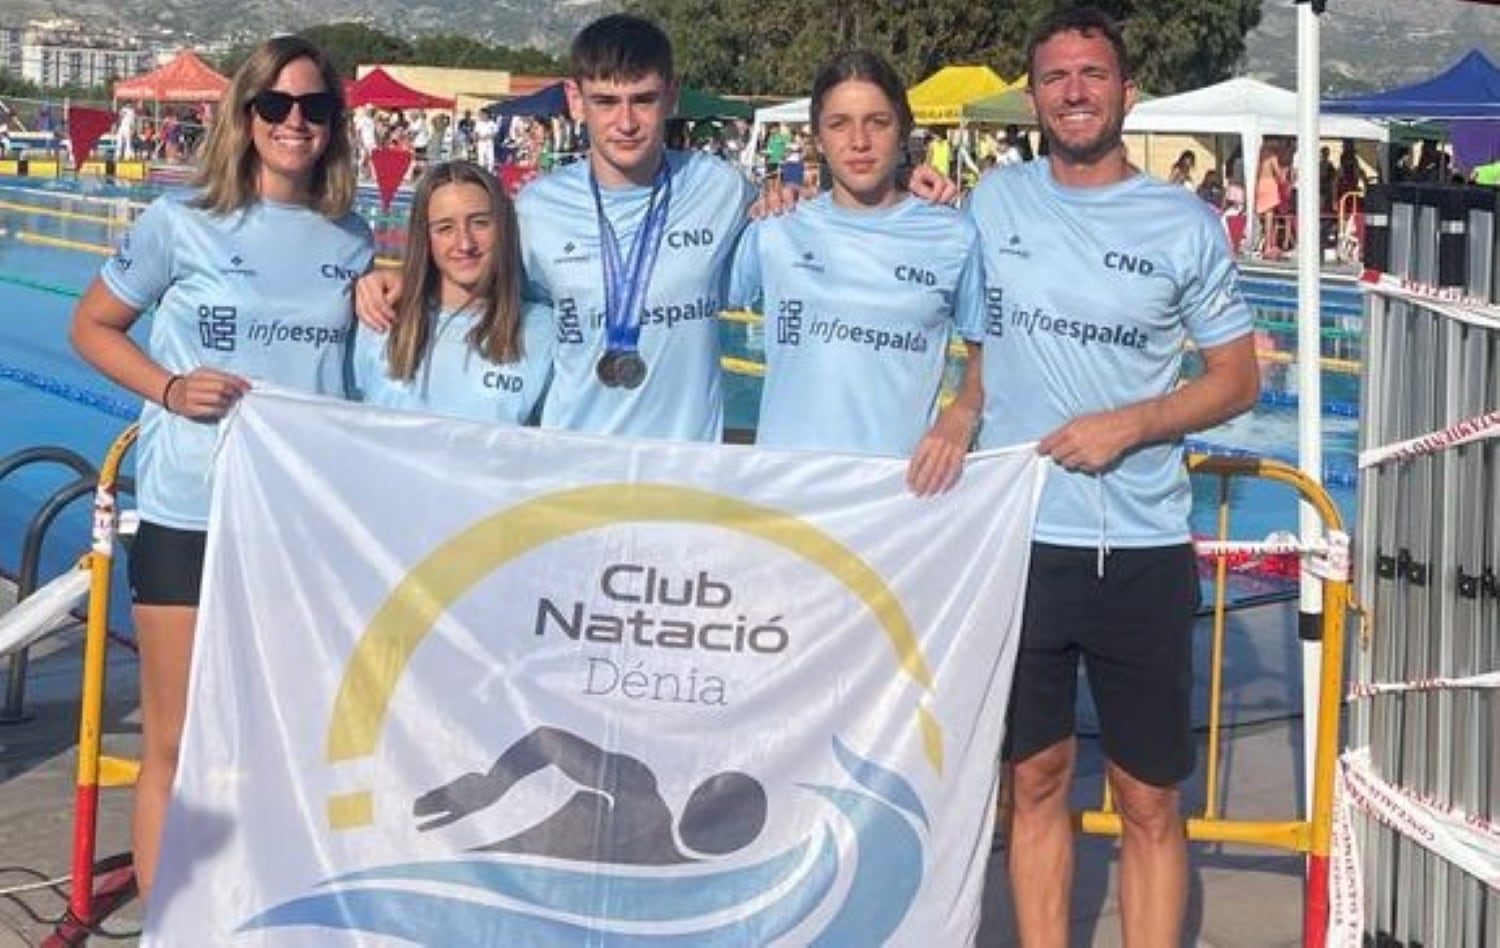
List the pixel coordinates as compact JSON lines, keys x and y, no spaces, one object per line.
{"x":797,"y":111}
{"x":1248,"y":108}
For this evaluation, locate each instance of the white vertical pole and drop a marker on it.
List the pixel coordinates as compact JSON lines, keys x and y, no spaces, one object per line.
{"x":1309,"y":351}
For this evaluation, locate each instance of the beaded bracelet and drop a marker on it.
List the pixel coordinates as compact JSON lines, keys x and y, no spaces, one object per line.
{"x":166,"y":393}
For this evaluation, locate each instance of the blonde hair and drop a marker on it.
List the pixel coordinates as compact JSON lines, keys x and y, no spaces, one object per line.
{"x":230,"y":167}
{"x":497,"y":333}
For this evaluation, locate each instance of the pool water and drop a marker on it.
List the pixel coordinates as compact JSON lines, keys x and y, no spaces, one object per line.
{"x":53,"y":236}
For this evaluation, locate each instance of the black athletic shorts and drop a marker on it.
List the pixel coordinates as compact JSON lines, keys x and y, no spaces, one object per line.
{"x":1133,"y":629}
{"x":166,"y":565}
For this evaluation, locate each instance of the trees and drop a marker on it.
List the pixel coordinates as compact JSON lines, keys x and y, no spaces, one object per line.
{"x":353,"y":44}
{"x":774,"y":46}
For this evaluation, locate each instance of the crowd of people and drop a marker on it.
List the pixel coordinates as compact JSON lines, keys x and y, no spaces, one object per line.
{"x":489,"y":140}
{"x":1065,"y":350}
{"x":172,"y":135}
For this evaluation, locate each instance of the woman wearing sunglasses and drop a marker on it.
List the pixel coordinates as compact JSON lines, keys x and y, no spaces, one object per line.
{"x":464,"y":344}
{"x":861,"y":288}
{"x":249,"y":275}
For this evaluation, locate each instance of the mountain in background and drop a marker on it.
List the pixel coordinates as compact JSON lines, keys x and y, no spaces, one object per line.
{"x":544,"y":24}
{"x":1372,"y":44}
{"x":1367,"y":44}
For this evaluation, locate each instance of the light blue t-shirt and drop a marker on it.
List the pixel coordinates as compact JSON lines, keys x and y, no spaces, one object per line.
{"x":264,"y":293}
{"x":1091,"y":294}
{"x":454,"y":379}
{"x":681,"y":398}
{"x":859,"y":306}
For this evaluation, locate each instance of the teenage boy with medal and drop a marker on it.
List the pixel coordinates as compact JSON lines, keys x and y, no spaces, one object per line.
{"x":632,"y":249}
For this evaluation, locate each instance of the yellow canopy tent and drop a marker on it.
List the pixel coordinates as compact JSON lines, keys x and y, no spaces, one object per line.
{"x":937,"y":99}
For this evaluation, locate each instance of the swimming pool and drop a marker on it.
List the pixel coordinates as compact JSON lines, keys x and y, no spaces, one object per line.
{"x":55,"y":235}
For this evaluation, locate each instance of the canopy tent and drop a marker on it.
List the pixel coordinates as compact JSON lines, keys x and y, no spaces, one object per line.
{"x":1468,"y":89}
{"x":378,"y":88}
{"x":1011,"y":107}
{"x":697,"y":104}
{"x":1465,"y":97}
{"x":1248,"y":108}
{"x":545,"y":102}
{"x":552,"y":100}
{"x":937,"y":99}
{"x":797,"y":111}
{"x":185,"y":78}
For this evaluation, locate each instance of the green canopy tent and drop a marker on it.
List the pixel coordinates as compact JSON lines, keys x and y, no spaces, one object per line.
{"x":697,"y":104}
{"x":1011,"y":107}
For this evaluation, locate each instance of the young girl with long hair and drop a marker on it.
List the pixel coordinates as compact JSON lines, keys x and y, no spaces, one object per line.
{"x":463,"y":343}
{"x":861,"y":288}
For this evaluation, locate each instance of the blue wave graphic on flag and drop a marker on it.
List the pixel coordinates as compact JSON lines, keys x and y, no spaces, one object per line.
{"x":525,"y":903}
{"x":597,"y":895}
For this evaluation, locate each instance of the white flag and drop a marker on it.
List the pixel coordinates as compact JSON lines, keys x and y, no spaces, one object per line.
{"x":464,"y":685}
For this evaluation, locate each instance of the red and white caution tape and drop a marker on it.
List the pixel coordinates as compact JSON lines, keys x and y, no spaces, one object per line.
{"x":1470,"y":841}
{"x":1477,"y":428}
{"x":1369,"y":689}
{"x":1445,"y":301}
{"x":1275,"y":545}
{"x":1328,"y":557}
{"x":1346,"y":880}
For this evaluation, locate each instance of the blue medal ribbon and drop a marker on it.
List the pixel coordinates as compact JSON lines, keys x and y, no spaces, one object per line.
{"x":625,"y":287}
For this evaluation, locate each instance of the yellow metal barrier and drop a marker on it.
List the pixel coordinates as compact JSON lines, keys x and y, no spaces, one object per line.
{"x":87,"y":904}
{"x":1313,"y":834}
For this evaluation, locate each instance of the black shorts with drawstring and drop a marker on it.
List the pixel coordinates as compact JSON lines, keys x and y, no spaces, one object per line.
{"x":1132,"y":629}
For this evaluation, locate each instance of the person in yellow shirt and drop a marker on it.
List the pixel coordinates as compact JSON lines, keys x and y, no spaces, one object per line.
{"x":940,"y":153}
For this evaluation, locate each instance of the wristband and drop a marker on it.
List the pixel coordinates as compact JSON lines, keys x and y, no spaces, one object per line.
{"x":166,"y":393}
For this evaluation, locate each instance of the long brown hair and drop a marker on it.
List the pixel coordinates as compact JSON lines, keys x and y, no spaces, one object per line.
{"x":497,"y":333}
{"x":230,"y":166}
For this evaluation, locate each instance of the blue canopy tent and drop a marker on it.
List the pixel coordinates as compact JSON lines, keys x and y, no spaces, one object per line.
{"x":551,"y":100}
{"x":543,"y":103}
{"x":1469,"y":89}
{"x":1465,"y":97}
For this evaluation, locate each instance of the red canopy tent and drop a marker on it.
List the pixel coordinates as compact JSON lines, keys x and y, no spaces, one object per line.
{"x":185,"y":79}
{"x":378,"y":88}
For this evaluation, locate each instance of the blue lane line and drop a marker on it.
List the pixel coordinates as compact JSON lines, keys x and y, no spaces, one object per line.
{"x":1283,"y":399}
{"x":99,"y":401}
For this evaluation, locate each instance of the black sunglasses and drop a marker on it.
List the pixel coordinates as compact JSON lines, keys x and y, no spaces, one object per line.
{"x":319,"y":108}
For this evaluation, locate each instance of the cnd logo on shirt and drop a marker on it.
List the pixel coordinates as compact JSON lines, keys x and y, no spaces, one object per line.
{"x":333,"y":271}
{"x":684,"y":239}
{"x":1126,"y":263}
{"x":917,"y":275}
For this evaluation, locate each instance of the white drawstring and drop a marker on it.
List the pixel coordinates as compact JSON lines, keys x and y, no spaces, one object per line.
{"x":1103,"y":526}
